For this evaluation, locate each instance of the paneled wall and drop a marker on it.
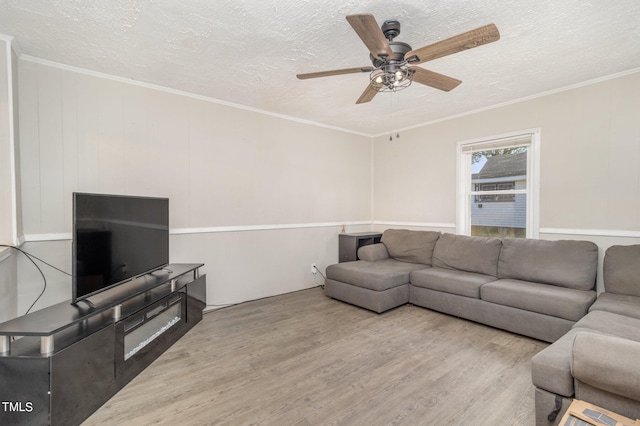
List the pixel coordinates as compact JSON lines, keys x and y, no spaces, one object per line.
{"x":255,"y":197}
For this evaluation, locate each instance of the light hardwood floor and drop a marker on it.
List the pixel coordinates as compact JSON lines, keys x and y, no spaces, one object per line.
{"x":305,"y":359}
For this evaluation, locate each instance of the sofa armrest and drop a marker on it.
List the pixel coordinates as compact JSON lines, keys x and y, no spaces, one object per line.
{"x":608,"y":363}
{"x":373,"y":252}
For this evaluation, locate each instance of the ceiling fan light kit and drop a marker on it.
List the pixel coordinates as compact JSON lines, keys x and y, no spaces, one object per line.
{"x":390,"y":79}
{"x":394,"y":62}
{"x":391,"y":73}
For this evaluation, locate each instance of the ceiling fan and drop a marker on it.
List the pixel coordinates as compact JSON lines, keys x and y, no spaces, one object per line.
{"x":394,"y":61}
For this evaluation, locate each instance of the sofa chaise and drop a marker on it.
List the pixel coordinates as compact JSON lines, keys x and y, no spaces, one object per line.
{"x":379,"y":281}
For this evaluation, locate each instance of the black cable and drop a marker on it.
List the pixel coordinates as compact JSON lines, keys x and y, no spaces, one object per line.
{"x":44,"y":279}
{"x":323,"y":277}
{"x":36,"y":258}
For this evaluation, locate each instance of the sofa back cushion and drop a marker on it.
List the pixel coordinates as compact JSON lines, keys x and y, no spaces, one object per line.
{"x":410,"y":246}
{"x":622,"y":270}
{"x":472,"y":254}
{"x":564,"y":263}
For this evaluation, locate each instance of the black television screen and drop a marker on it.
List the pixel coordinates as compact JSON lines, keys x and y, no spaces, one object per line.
{"x":116,"y":238}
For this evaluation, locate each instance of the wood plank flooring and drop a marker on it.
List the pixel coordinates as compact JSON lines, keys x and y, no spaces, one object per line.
{"x":305,"y":359}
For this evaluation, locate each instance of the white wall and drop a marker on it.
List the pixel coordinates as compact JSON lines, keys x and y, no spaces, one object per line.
{"x":255,"y":197}
{"x":590,"y":159}
{"x":589,"y":165}
{"x":258,"y":198}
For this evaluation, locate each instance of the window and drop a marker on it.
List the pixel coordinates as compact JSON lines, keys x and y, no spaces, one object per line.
{"x":497,"y":191}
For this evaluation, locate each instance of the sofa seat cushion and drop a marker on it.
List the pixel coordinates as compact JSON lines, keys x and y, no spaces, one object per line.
{"x":450,"y":281}
{"x":617,"y":304}
{"x":560,"y":302}
{"x":379,"y":276}
{"x":612,"y":324}
{"x":465,"y":253}
{"x":564,"y":263}
{"x":410,"y":246}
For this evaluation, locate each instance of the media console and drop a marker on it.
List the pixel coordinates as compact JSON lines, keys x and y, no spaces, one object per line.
{"x":60,"y":364}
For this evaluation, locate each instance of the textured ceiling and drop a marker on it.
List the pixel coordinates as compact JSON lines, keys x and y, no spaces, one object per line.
{"x":248,"y":52}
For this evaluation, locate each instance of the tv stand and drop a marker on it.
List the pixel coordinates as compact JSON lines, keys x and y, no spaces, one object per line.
{"x":163,"y":269}
{"x":56,"y":364}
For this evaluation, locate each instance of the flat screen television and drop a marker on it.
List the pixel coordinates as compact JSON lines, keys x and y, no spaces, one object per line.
{"x":116,"y":238}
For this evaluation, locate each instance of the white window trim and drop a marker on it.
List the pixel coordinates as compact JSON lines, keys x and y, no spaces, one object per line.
{"x":463,"y":178}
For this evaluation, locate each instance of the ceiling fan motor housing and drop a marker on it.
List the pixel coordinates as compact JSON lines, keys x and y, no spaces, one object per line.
{"x":391,"y":29}
{"x":398,"y":48}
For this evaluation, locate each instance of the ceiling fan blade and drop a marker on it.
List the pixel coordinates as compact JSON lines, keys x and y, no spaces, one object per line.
{"x":367,"y":28}
{"x":433,"y":79}
{"x":470,"y":39}
{"x":334,"y":72}
{"x":367,"y":95}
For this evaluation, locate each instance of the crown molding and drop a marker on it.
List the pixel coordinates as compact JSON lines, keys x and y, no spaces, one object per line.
{"x":519,"y":100}
{"x":160,"y":88}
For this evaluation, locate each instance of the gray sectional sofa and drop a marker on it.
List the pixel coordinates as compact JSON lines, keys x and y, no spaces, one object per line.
{"x":542,"y":289}
{"x":531,"y":287}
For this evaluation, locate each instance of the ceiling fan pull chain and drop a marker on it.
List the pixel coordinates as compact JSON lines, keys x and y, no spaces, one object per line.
{"x":391,"y":129}
{"x":394,"y":94}
{"x":397,"y":106}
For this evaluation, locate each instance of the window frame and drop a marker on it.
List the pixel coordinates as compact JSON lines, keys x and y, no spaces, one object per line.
{"x":464,"y":193}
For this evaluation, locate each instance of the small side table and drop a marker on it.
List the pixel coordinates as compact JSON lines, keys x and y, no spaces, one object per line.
{"x":350,"y":243}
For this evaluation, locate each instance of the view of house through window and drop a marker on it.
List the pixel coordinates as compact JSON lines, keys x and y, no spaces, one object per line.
{"x":498,"y":204}
{"x":496,"y":186}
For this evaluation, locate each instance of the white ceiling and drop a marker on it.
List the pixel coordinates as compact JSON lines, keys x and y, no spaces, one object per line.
{"x":248,"y":52}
